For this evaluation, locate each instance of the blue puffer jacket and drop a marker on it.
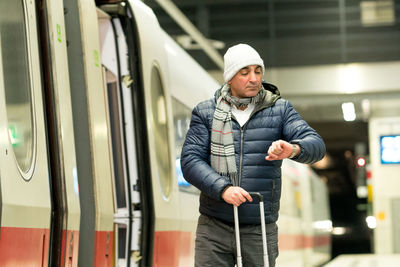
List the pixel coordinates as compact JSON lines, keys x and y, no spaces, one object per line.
{"x":273,"y":120}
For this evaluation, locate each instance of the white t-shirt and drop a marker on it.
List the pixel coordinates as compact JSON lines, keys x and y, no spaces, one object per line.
{"x":242,"y":116}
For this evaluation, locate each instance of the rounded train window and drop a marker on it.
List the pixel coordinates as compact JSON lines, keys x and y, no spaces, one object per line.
{"x":160,"y":132}
{"x":16,"y":81}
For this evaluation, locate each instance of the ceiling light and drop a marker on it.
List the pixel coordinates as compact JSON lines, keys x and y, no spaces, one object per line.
{"x":377,"y":12}
{"x":349,"y":112}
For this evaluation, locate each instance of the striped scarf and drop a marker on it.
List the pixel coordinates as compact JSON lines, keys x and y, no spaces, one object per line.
{"x":222,"y":148}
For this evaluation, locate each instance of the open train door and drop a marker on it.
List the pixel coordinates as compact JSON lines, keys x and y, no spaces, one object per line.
{"x":127,"y":136}
{"x":140,"y":106}
{"x":92,"y":140}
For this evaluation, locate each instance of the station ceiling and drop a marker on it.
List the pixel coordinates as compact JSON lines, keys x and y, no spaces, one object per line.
{"x":295,"y":32}
{"x":298,"y":33}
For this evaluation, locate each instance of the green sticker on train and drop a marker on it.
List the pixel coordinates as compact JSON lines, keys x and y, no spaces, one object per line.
{"x":96,"y":58}
{"x":58,"y":32}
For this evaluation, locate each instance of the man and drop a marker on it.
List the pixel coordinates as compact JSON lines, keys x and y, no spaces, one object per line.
{"x":235,"y":145}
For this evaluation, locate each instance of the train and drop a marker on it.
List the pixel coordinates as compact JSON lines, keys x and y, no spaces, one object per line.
{"x":95,"y":102}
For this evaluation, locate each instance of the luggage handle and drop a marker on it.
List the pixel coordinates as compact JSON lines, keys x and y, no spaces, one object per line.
{"x":263,"y":230}
{"x":256,"y":195}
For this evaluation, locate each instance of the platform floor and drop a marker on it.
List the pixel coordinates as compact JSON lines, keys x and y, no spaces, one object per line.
{"x":365,"y":260}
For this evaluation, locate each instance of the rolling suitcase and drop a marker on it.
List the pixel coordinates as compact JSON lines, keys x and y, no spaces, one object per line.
{"x":263,"y":231}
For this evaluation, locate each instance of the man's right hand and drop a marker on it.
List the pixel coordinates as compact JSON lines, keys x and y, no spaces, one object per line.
{"x":236,"y":195}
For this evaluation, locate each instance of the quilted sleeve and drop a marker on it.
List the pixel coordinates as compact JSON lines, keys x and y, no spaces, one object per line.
{"x":297,"y":131}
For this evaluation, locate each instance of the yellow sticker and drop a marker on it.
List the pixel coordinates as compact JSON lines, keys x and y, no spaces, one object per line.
{"x":370,"y":193}
{"x":297,"y":196}
{"x":381,"y":216}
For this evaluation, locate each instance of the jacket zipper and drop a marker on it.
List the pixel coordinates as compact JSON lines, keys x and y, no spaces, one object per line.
{"x":241,"y":155}
{"x":242,"y":137}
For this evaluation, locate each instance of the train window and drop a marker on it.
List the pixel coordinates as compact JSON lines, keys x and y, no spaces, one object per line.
{"x":160,"y":132}
{"x":182,"y":115}
{"x":122,"y":233}
{"x":14,"y":54}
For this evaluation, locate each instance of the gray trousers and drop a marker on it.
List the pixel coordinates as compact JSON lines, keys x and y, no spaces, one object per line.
{"x":216,"y":245}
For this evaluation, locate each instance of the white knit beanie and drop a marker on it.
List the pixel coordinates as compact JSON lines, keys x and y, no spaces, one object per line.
{"x":238,"y":57}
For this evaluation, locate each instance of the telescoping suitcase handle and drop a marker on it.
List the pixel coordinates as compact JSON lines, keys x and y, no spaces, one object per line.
{"x":263,"y":231}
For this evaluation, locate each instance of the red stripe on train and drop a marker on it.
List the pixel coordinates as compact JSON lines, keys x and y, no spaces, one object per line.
{"x":172,"y":248}
{"x":292,"y":242}
{"x":104,"y":248}
{"x":27,"y":247}
{"x":70,"y":247}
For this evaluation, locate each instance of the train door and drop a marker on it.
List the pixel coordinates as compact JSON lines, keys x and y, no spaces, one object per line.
{"x":93,"y":154}
{"x":64,"y":234}
{"x":24,"y":177}
{"x":127,"y":216}
{"x":150,"y":101}
{"x":133,"y":218}
{"x":170,"y":243}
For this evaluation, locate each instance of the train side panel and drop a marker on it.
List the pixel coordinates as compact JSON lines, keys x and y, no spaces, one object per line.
{"x":304,"y":221}
{"x":91,"y":135}
{"x":190,"y":84}
{"x":155,"y":74}
{"x":25,"y":190}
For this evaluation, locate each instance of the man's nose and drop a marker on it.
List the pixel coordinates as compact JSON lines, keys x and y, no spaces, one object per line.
{"x":253,"y":76}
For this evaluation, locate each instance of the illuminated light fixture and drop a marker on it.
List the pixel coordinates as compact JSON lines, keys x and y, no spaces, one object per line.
{"x":362,"y":191}
{"x":325,"y":225}
{"x":390,"y":149}
{"x":349,"y":112}
{"x":377,"y":13}
{"x":350,"y":78}
{"x":339,"y":230}
{"x":371,"y":222}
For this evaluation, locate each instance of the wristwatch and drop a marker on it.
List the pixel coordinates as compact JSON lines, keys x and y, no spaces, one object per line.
{"x":293,"y":152}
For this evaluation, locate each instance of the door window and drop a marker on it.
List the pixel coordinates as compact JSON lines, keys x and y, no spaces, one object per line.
{"x":15,"y":61}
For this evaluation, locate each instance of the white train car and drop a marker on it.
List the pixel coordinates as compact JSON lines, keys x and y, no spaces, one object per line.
{"x":304,"y":221}
{"x":95,"y":102}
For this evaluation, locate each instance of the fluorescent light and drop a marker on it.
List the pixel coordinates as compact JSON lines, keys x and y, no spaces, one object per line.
{"x":349,"y":112}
